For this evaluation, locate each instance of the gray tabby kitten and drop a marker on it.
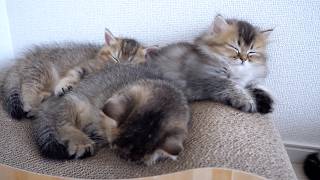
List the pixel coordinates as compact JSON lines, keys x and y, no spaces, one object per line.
{"x":56,"y":69}
{"x":144,"y":118}
{"x":225,"y":64}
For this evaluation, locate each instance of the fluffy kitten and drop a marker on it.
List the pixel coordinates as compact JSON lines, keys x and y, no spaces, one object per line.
{"x":116,"y":50}
{"x":312,"y":166}
{"x":145,"y":118}
{"x":225,"y":64}
{"x":57,"y":68}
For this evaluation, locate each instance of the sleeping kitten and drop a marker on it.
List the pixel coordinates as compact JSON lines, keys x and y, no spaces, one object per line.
{"x":144,"y":118}
{"x":225,"y":64}
{"x":116,"y":50}
{"x":57,"y":68}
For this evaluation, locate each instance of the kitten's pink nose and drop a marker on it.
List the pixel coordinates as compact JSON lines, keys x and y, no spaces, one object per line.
{"x":243,"y":57}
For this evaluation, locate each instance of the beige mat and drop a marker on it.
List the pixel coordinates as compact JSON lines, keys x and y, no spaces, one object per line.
{"x":219,"y":137}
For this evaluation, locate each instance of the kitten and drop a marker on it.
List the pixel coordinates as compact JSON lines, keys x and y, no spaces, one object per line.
{"x":116,"y":50}
{"x":225,"y":64}
{"x":49,"y":69}
{"x":144,"y":118}
{"x":312,"y":166}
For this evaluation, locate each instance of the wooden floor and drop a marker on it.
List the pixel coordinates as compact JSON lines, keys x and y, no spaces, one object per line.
{"x":9,"y":173}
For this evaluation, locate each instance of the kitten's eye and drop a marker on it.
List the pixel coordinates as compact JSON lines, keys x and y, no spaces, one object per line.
{"x":239,"y":42}
{"x":251,"y":47}
{"x":251,"y":54}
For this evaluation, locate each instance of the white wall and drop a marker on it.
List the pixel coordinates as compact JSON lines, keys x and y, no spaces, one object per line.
{"x":294,"y":51}
{"x":6,"y":51}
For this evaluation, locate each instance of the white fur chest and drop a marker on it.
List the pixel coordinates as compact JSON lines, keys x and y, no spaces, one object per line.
{"x":247,"y":73}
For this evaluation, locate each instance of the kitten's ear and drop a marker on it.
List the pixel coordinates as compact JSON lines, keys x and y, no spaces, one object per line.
{"x":150,"y":52}
{"x":108,"y":36}
{"x":218,"y":25}
{"x":266,"y":33}
{"x":151,"y":49}
{"x":116,"y":107}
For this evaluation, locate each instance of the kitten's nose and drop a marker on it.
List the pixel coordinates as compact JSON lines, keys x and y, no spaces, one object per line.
{"x":243,"y":58}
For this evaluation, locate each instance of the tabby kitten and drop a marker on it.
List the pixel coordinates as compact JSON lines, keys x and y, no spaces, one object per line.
{"x":144,"y":118}
{"x":116,"y":50}
{"x":57,"y":68}
{"x":225,"y":64}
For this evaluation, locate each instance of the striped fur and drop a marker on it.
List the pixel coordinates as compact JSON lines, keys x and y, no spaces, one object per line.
{"x":220,"y":65}
{"x":132,"y":97}
{"x":57,"y":68}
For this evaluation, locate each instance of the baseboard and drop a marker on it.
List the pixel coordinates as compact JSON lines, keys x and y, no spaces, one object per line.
{"x":297,"y":152}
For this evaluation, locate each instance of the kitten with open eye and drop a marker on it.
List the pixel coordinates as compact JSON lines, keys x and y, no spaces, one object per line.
{"x":225,"y":64}
{"x":55,"y":69}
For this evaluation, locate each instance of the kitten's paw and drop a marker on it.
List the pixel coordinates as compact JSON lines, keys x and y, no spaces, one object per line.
{"x":110,"y":127}
{"x":81,"y":147}
{"x":244,"y":104}
{"x":264,"y":101}
{"x":27,"y":108}
{"x":31,"y":114}
{"x":63,"y":87}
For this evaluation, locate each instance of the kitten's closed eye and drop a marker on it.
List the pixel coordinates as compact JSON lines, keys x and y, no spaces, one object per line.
{"x":234,"y":48}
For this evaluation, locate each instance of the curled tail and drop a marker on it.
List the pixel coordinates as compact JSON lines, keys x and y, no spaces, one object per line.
{"x":46,"y":135}
{"x":49,"y":144}
{"x":12,"y":94}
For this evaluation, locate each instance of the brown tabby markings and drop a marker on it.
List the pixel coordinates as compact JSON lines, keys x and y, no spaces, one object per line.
{"x":126,"y":105}
{"x":124,"y":50}
{"x":56,"y":69}
{"x":237,"y":35}
{"x":116,"y":50}
{"x":225,"y":64}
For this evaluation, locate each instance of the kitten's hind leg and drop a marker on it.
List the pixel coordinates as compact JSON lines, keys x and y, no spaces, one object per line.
{"x":36,"y":85}
{"x":42,"y":97}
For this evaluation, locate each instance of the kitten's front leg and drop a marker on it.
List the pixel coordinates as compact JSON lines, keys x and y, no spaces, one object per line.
{"x":264,"y":100}
{"x":238,"y":98}
{"x":222,"y":90}
{"x":67,"y":83}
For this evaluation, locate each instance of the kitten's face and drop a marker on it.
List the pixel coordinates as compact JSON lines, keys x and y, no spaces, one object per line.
{"x":236,"y":41}
{"x":122,"y":50}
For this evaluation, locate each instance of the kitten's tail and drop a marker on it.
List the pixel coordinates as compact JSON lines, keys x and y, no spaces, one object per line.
{"x":12,"y":94}
{"x":45,"y":131}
